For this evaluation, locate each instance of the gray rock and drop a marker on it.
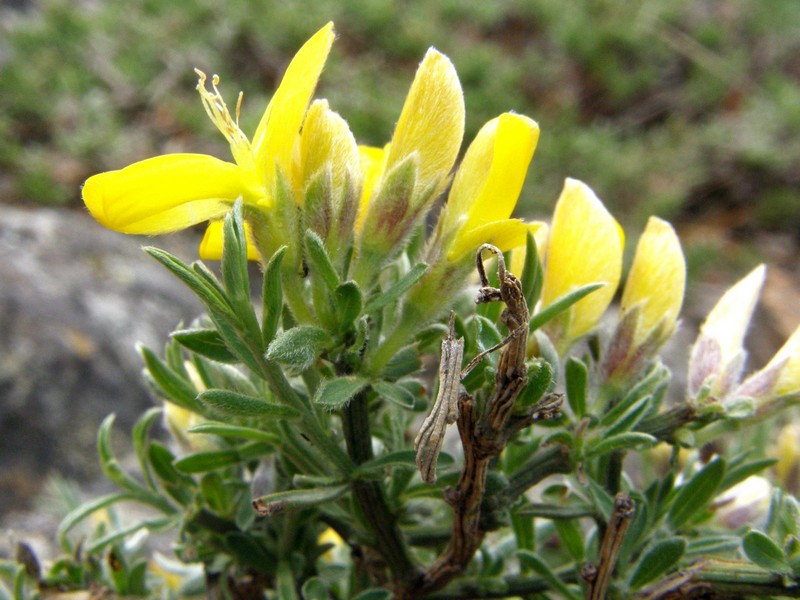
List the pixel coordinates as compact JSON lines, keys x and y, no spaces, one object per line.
{"x":75,"y":299}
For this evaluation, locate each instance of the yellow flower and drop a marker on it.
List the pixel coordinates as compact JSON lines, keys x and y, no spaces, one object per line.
{"x":174,"y":191}
{"x":781,"y":375}
{"x":585,"y":246}
{"x":414,"y":167}
{"x":540,"y":231}
{"x":487,"y":186}
{"x":373,"y":164}
{"x":656,"y":282}
{"x":718,"y":355}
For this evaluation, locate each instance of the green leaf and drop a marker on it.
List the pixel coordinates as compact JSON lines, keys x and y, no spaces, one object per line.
{"x":172,"y":386}
{"x":204,"y":288}
{"x":576,"y":377}
{"x":760,"y":549}
{"x":659,"y":559}
{"x":336,"y":393}
{"x":314,"y":589}
{"x":400,"y":459}
{"x":201,"y":462}
{"x":695,"y":494}
{"x":572,"y":537}
{"x":348,"y":302}
{"x":298,"y":347}
{"x":318,"y":260}
{"x":205,"y":342}
{"x":246,"y":549}
{"x":234,"y":263}
{"x":397,"y":289}
{"x":84,"y":510}
{"x":374,"y":594}
{"x":562,"y":304}
{"x":405,"y":362}
{"x":235,"y":431}
{"x":741,"y":472}
{"x":602,"y":500}
{"x":139,"y":438}
{"x":111,"y":467}
{"x":630,"y":418}
{"x":536,"y":564}
{"x":397,"y":394}
{"x":286,"y":582}
{"x":233,"y":404}
{"x":278,"y":502}
{"x":532,"y":273}
{"x":540,"y":378}
{"x":272,"y":296}
{"x":622,"y":441}
{"x":557,"y":511}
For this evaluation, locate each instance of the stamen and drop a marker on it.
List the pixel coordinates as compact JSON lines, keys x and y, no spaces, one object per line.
{"x":219,"y":114}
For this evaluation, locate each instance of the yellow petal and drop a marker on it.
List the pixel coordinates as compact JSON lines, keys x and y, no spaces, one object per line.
{"x":656,"y":280}
{"x":489,"y":179}
{"x":326,"y":142}
{"x":585,"y":247}
{"x":163,"y":194}
{"x":211,"y":244}
{"x":788,"y":360}
{"x":276,"y":134}
{"x":505,"y":234}
{"x":373,"y":164}
{"x":431,"y":123}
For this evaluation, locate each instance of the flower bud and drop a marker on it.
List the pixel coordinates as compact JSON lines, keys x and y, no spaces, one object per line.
{"x":718,"y":355}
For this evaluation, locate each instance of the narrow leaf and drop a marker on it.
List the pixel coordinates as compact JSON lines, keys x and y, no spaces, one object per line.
{"x":576,"y":376}
{"x":536,"y":564}
{"x":319,"y":261}
{"x":205,"y":342}
{"x":397,"y":289}
{"x":272,"y":296}
{"x":235,"y":431}
{"x":233,"y":404}
{"x":348,"y":302}
{"x":659,"y":559}
{"x":760,"y":549}
{"x":622,"y":441}
{"x":336,"y":393}
{"x":395,"y":393}
{"x":299,"y":346}
{"x":694,"y":495}
{"x":173,"y":387}
{"x":278,"y":502}
{"x":532,"y":272}
{"x":562,"y":304}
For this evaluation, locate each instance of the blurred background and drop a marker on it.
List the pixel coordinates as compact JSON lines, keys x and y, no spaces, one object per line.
{"x":683,"y":109}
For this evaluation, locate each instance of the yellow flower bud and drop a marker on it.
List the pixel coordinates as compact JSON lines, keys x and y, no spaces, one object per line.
{"x":656,"y":282}
{"x":585,"y":246}
{"x":718,"y":355}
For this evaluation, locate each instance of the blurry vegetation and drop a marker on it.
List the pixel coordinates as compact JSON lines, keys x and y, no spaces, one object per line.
{"x":684,"y":109}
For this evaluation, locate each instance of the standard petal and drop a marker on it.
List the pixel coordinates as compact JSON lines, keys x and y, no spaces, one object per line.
{"x":327,"y":141}
{"x":489,"y":179}
{"x":431,"y":122}
{"x":505,"y":234}
{"x":277,"y":132}
{"x":657,"y":279}
{"x":585,"y":246}
{"x":163,"y":194}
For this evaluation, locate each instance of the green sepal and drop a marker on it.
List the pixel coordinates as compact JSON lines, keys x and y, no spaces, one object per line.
{"x":760,"y":549}
{"x":272,"y":296}
{"x":299,"y":346}
{"x":234,"y":404}
{"x":576,"y":376}
{"x":205,"y":342}
{"x":337,"y":392}
{"x":562,"y":304}
{"x":695,"y":494}
{"x":278,"y":502}
{"x":659,"y":559}
{"x":397,"y":289}
{"x":532,"y":273}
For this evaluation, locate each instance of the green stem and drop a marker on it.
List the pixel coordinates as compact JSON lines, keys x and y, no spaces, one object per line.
{"x":370,"y":495}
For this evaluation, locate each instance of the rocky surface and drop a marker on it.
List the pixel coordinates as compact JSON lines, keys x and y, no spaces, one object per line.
{"x":75,"y":299}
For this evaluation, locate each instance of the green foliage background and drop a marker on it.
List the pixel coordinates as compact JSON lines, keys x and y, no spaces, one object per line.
{"x":678,"y":108}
